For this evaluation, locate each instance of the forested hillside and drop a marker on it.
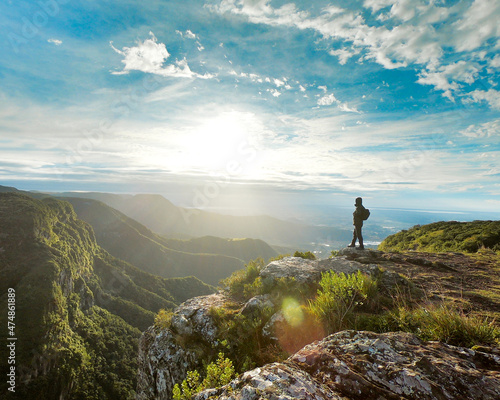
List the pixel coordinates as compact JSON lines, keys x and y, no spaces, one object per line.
{"x":78,"y":310}
{"x":446,"y":236}
{"x":209,"y":259}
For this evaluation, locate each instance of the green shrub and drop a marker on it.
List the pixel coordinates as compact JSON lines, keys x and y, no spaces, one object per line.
{"x":279,"y":257}
{"x":232,"y":326}
{"x":307,"y":255}
{"x":163,"y":319}
{"x":218,"y":373}
{"x":339,"y":295}
{"x":289,"y":286}
{"x":243,"y":281}
{"x":334,"y":253}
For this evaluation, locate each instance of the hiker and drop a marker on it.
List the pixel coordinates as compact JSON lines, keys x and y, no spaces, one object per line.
{"x":358,"y":216}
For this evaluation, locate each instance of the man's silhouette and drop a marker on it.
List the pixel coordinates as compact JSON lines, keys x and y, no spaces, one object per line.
{"x":357,"y":220}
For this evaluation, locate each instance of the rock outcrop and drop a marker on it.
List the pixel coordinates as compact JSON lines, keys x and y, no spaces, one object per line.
{"x":365,"y":365}
{"x":165,"y":356}
{"x":346,"y":365}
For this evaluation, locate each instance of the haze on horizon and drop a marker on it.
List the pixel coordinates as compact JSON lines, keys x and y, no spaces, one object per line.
{"x":255,"y":101}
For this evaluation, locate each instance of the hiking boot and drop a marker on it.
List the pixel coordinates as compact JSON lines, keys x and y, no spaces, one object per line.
{"x":352,"y":245}
{"x":361,"y":247}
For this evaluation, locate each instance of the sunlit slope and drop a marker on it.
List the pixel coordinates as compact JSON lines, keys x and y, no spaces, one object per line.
{"x":78,"y":310}
{"x":209,"y":259}
{"x":446,"y":236}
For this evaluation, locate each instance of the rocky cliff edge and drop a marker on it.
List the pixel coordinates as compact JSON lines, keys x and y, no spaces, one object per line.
{"x":345,"y":365}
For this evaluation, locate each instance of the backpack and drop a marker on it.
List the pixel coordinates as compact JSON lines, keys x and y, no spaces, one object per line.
{"x":366,"y":214}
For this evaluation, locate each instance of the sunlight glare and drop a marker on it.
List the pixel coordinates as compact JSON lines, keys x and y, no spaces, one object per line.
{"x":216,"y":141}
{"x":292,"y":311}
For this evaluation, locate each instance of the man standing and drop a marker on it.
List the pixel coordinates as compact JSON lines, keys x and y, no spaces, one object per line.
{"x":358,"y":216}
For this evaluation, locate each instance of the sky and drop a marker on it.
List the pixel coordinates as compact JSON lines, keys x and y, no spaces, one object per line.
{"x":218,"y":101}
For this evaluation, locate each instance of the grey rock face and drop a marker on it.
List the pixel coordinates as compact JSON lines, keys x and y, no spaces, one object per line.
{"x":308,"y":271}
{"x":166,"y":356}
{"x":365,"y":365}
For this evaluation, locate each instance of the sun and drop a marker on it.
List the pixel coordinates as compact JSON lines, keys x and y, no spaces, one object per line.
{"x":217,"y":141}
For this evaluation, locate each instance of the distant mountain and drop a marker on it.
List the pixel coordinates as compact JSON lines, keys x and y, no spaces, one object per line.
{"x":6,"y":189}
{"x":163,"y":217}
{"x":446,"y":236}
{"x":209,"y":259}
{"x":78,"y":311}
{"x":244,"y":249}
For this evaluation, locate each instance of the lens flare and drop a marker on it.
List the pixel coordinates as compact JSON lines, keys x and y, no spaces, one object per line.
{"x":292,"y":311}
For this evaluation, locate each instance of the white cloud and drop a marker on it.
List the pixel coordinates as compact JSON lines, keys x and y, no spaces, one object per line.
{"x":376,"y":5}
{"x":415,"y":33}
{"x":491,"y":96}
{"x":149,"y":56}
{"x":343,"y":54}
{"x":330,"y":99}
{"x":495,"y":62}
{"x":444,"y":78}
{"x":478,"y":24}
{"x":327,"y":100}
{"x":278,"y":82}
{"x":274,"y":92}
{"x":484,"y":130}
{"x":57,"y":42}
{"x":190,"y":35}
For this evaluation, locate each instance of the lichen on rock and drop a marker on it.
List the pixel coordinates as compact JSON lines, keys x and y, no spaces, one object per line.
{"x":365,"y":365}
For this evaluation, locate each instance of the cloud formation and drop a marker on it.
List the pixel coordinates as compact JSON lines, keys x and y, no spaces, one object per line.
{"x":418,"y":34}
{"x":329,"y":99}
{"x":484,"y":130}
{"x":57,"y":42}
{"x":149,"y":56}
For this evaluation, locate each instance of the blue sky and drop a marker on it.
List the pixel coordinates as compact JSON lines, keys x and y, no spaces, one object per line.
{"x":396,"y":101}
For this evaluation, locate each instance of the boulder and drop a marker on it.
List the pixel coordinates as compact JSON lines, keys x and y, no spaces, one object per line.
{"x":306,"y":272}
{"x":256,"y":305}
{"x":365,"y":255}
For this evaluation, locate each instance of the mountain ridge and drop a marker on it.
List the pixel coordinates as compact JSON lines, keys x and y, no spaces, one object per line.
{"x":131,"y":241}
{"x":163,"y":217}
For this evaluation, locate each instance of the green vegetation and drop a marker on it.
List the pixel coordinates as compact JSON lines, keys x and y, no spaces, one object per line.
{"x":307,"y":255}
{"x":245,"y":283}
{"x":340,"y":296}
{"x":466,"y":237}
{"x":255,"y":350}
{"x":355,"y":302}
{"x":132,"y":242}
{"x":244,"y":249}
{"x":442,"y":322}
{"x":79,"y":311}
{"x":334,"y":253}
{"x":218,"y":373}
{"x":163,"y":319}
